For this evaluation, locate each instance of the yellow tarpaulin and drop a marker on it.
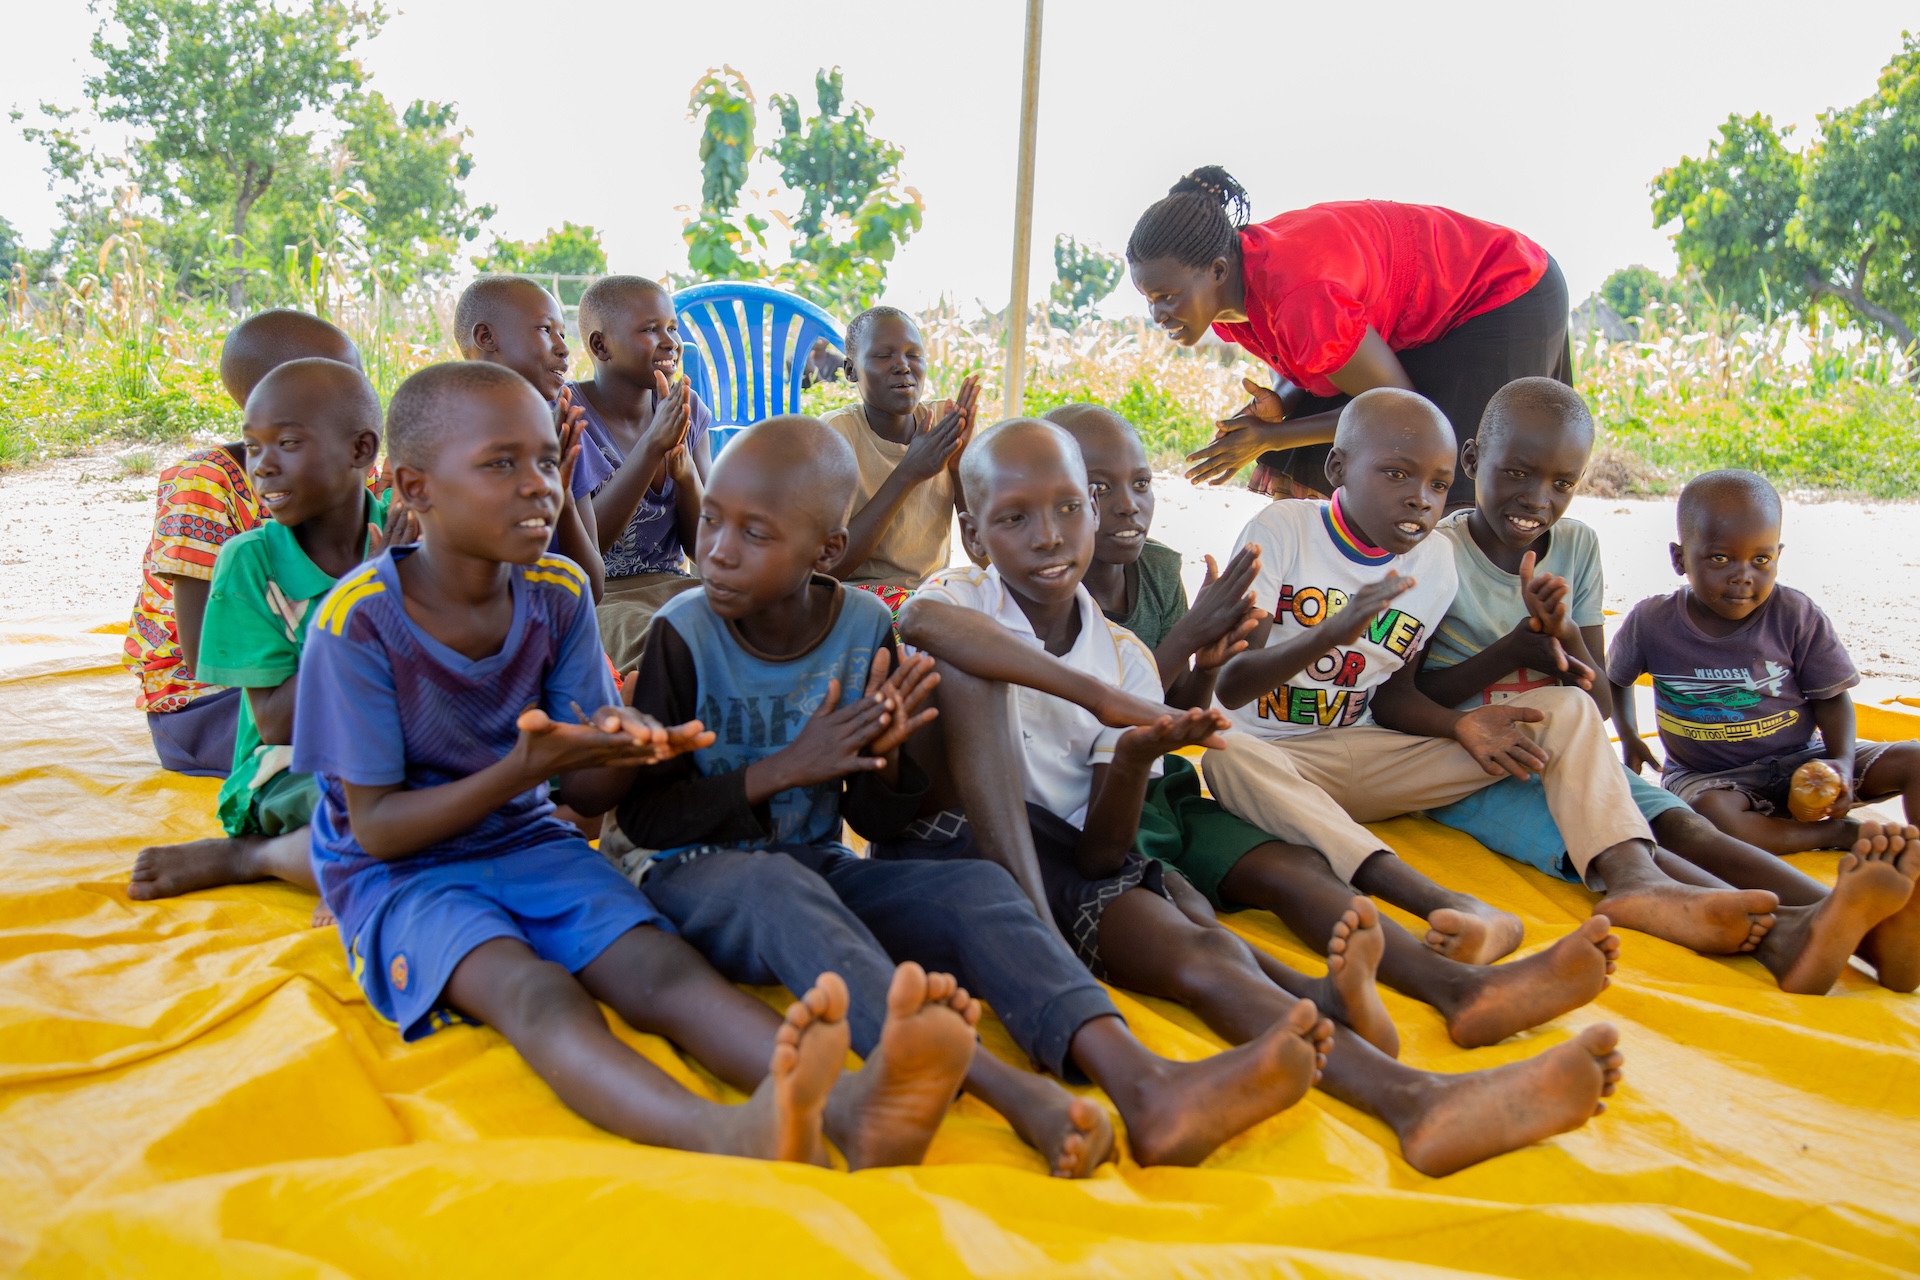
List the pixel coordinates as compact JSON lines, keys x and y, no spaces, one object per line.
{"x":195,"y":1087}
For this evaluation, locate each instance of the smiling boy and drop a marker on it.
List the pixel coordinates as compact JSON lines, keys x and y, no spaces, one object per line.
{"x":312,"y":434}
{"x":650,"y":429}
{"x":1336,"y":733}
{"x":511,"y":321}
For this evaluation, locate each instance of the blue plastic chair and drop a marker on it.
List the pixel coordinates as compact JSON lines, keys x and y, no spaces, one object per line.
{"x":746,"y":350}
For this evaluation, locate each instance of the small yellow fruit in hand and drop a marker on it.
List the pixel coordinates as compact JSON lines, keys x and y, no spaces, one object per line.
{"x":1814,"y":790}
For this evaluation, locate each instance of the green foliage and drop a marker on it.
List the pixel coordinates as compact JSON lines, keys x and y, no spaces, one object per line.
{"x":218,"y":181}
{"x":573,"y":250}
{"x":11,"y":250}
{"x":832,"y":160}
{"x":1083,"y":276}
{"x":853,"y":216}
{"x":1633,"y":291}
{"x":1767,"y":227}
{"x":1169,"y":428}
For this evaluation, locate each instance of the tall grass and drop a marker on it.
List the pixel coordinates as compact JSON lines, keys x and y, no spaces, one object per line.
{"x":1811,"y":408}
{"x":118,"y":355}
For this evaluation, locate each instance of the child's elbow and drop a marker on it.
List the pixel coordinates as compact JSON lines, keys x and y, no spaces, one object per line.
{"x":918,"y":619}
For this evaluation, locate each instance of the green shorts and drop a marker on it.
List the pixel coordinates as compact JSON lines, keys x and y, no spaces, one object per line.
{"x":1193,"y":834}
{"x":284,"y":804}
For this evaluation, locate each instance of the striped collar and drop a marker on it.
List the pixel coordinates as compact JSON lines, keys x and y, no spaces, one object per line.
{"x":1340,"y":530}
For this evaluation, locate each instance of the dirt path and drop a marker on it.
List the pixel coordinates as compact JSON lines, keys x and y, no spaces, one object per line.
{"x":71,"y":533}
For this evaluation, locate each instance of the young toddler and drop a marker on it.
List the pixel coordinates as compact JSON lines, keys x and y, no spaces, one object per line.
{"x":908,"y":454}
{"x":1131,"y":918}
{"x":312,"y":435}
{"x":1334,"y":732}
{"x":443,"y":685}
{"x":511,"y":321}
{"x":205,"y":499}
{"x":1234,"y":863}
{"x":1750,"y":683}
{"x":650,"y":430}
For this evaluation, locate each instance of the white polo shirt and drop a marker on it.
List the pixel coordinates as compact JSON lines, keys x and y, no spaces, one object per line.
{"x":1060,"y":742}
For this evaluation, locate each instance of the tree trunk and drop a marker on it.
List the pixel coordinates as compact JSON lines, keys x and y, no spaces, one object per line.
{"x":1856,"y":298}
{"x":252,"y":185}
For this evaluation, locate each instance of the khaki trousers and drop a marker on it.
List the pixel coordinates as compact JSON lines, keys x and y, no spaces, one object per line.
{"x":1316,"y":789}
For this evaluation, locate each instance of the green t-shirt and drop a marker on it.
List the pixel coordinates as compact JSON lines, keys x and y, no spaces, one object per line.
{"x":1159,"y":597}
{"x":262,"y":599}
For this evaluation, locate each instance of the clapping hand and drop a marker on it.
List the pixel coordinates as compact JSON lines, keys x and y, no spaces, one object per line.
{"x":1224,"y":613}
{"x":904,"y":689}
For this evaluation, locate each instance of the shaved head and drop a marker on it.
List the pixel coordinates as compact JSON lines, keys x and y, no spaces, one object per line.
{"x":1077,"y":418}
{"x":1389,"y":414}
{"x":325,"y":392}
{"x":1719,"y":495}
{"x":1538,"y":403}
{"x":814,"y":462}
{"x":610,"y":295}
{"x":486,"y":300}
{"x":263,"y":342}
{"x":1023,"y":437}
{"x":432,"y":404}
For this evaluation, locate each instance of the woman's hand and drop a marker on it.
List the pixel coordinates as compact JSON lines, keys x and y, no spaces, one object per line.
{"x":1241,"y":439}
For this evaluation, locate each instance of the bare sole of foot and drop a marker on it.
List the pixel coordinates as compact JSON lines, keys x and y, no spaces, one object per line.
{"x":1807,"y":950}
{"x":1893,"y":946}
{"x":1479,"y":934}
{"x":168,"y":870}
{"x":1353,"y":965}
{"x":1190,"y":1108}
{"x":322,"y":918}
{"x":1520,"y":994}
{"x":782,"y":1120}
{"x":1474,"y":1117}
{"x":902,"y":1092}
{"x":1714,"y":922}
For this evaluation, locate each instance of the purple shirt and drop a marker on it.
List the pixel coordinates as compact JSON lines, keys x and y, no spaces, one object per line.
{"x":1729,"y":701}
{"x":651,"y":541}
{"x":382,"y":702}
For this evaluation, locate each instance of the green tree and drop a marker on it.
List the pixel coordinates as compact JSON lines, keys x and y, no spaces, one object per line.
{"x":1083,"y":276}
{"x":212,"y":89}
{"x":721,"y":246}
{"x":573,"y":250}
{"x":1836,"y":223}
{"x":11,"y":250}
{"x":408,"y":167}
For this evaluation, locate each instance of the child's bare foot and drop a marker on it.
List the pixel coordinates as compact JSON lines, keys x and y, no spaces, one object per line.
{"x":1353,"y":961}
{"x":1714,"y":922}
{"x":1506,"y":999}
{"x":322,"y":918}
{"x":1475,"y":933}
{"x":1071,"y":1134}
{"x":1187,"y":1109}
{"x":168,"y":870}
{"x":896,"y":1101}
{"x":782,"y":1120}
{"x":1893,"y":946}
{"x":1809,"y":946}
{"x":1469,"y":1118}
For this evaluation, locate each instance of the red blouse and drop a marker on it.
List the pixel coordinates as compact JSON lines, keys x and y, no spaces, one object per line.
{"x":1317,"y":277}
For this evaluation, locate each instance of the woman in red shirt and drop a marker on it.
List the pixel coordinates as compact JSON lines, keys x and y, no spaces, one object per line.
{"x":1339,"y":299}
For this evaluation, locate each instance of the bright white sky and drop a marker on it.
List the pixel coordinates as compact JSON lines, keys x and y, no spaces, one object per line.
{"x":1549,"y":118}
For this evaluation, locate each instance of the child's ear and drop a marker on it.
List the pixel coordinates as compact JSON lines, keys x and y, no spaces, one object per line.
{"x":596,"y":345}
{"x":411,"y":485}
{"x":1470,"y":458}
{"x":1679,"y":558}
{"x":847,"y":367}
{"x":831,"y":550}
{"x":483,"y":339}
{"x":970,"y":537}
{"x":366,"y":448}
{"x":1336,"y":467}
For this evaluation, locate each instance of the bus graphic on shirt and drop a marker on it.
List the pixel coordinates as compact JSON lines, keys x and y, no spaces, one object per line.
{"x":1711,"y":704}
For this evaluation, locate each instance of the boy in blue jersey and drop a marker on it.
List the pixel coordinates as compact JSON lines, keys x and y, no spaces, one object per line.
{"x":442,"y":686}
{"x":811,"y":705}
{"x":312,"y":433}
{"x":1527,"y":615}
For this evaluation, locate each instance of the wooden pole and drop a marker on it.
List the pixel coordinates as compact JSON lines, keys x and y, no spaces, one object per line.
{"x":1016,"y":375}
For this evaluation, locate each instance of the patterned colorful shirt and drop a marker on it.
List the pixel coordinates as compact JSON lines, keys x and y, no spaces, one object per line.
{"x":204,"y":500}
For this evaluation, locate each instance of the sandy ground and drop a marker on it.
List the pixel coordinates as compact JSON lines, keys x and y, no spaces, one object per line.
{"x":71,"y":533}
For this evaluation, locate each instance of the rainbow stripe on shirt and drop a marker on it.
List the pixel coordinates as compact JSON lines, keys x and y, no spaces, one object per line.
{"x":1350,"y":544}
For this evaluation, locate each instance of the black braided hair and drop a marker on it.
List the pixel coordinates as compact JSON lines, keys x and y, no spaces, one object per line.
{"x":1198,"y":220}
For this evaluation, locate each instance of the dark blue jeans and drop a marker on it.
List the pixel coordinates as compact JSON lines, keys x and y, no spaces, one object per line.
{"x":788,"y":914}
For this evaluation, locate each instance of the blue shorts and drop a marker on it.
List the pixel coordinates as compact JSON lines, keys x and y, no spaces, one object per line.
{"x":562,"y":899}
{"x":1511,"y":818}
